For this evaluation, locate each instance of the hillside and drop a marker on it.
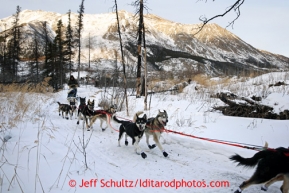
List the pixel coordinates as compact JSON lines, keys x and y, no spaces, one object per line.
{"x":171,"y":46}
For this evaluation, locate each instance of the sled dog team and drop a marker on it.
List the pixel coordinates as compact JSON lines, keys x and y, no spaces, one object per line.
{"x":272,"y":164}
{"x":134,"y":129}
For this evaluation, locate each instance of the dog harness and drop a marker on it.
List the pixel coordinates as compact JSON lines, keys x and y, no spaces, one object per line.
{"x":159,"y":127}
{"x":285,"y":152}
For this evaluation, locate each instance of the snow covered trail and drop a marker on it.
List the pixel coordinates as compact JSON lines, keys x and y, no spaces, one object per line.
{"x":45,"y":152}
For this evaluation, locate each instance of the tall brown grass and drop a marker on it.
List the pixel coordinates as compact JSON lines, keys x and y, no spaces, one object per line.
{"x":15,"y":103}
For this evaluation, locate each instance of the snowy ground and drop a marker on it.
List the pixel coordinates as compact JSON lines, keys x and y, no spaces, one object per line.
{"x":44,"y":153}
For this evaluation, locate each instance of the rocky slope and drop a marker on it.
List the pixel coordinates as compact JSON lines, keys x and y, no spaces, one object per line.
{"x":170,"y":46}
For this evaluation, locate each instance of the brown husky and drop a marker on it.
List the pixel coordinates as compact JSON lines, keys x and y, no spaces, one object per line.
{"x":104,"y":115}
{"x":155,"y":126}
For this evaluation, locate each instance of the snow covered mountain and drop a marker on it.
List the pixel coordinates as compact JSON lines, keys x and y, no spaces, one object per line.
{"x":170,"y":46}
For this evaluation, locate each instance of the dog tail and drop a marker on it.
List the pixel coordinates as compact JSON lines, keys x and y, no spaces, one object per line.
{"x":117,"y":120}
{"x":136,"y":115}
{"x":59,"y":103}
{"x":249,"y":162}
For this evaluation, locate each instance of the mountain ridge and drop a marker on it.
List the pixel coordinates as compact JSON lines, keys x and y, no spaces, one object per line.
{"x":214,"y":49}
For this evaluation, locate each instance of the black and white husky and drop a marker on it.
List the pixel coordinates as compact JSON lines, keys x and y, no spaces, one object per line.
{"x":81,"y":106}
{"x":154,"y":127}
{"x":134,"y":129}
{"x":86,"y":113}
{"x":270,"y":163}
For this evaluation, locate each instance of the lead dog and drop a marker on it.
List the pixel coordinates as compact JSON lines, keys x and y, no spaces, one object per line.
{"x":270,"y":163}
{"x":65,"y":108}
{"x":154,"y":127}
{"x":134,"y":129}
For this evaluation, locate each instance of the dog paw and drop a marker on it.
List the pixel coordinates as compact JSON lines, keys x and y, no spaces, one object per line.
{"x":165,"y":154}
{"x":126,"y":143}
{"x":67,"y":118}
{"x":264,"y":188}
{"x":152,"y":146}
{"x":103,"y":130}
{"x":77,"y":123}
{"x":238,"y":190}
{"x":143,"y":155}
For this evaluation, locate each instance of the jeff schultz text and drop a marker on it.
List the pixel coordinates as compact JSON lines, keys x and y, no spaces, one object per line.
{"x":149,"y":183}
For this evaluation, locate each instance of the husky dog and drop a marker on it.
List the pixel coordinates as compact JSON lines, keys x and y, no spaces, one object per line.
{"x":133,"y":129}
{"x":285,"y":186}
{"x":87,"y":112}
{"x":65,"y":108}
{"x":104,"y":115}
{"x":155,"y":126}
{"x":81,"y":105}
{"x":270,"y":163}
{"x":73,"y":103}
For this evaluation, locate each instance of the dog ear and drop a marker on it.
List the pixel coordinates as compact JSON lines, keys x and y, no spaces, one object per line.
{"x":144,"y":117}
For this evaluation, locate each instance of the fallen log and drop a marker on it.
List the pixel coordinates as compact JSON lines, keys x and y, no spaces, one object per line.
{"x":245,"y":107}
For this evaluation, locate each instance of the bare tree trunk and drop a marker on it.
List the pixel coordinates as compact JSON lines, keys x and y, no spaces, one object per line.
{"x":122,"y":60}
{"x":89,"y":51}
{"x":138,"y":73}
{"x":145,"y":70}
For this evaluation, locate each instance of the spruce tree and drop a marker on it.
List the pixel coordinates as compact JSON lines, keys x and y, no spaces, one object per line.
{"x":35,"y":55}
{"x":79,"y":27}
{"x":60,"y":60}
{"x":16,"y":36}
{"x":69,"y":43}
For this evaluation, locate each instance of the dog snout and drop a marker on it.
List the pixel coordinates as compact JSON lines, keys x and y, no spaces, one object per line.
{"x":142,"y":127}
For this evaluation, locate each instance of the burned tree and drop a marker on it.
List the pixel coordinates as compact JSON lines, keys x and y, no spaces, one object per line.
{"x":122,"y":59}
{"x":139,"y":45}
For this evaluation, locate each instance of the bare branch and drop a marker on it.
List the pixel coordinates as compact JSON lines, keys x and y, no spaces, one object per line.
{"x":235,"y":7}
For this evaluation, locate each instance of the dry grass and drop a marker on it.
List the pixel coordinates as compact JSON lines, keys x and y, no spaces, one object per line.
{"x":18,"y":107}
{"x":16,"y":104}
{"x":42,"y":87}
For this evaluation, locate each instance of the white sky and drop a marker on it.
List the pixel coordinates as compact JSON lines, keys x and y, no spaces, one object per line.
{"x":263,"y":23}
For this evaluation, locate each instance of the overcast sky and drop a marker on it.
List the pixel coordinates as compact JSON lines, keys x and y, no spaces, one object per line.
{"x":263,"y":23}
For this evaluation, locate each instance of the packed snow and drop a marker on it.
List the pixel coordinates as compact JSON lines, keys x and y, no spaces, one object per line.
{"x":42,"y":152}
